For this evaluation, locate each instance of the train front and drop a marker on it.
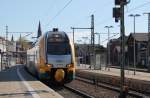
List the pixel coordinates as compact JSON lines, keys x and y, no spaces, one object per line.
{"x":60,"y":56}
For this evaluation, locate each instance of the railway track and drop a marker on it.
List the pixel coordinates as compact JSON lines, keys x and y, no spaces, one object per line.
{"x":68,"y":92}
{"x":82,"y":94}
{"x":131,"y":93}
{"x":93,"y":89}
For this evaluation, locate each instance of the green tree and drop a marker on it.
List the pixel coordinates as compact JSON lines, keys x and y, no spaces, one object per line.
{"x":23,"y":43}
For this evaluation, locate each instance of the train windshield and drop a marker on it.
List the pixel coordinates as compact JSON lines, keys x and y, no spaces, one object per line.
{"x":58,"y":48}
{"x":58,"y":44}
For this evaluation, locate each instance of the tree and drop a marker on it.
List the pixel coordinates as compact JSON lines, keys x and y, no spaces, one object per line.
{"x":23,"y":43}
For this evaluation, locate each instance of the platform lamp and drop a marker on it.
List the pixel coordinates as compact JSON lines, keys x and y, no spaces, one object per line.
{"x":134,"y":16}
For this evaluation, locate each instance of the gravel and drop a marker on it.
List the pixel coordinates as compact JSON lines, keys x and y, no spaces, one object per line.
{"x":95,"y":91}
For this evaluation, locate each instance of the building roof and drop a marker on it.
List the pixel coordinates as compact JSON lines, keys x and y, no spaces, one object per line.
{"x":140,"y":36}
{"x":2,"y":38}
{"x":117,"y":41}
{"x":39,"y":30}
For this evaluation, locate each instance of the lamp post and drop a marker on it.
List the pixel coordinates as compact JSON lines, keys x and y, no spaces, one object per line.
{"x":108,"y":27}
{"x":134,"y":16}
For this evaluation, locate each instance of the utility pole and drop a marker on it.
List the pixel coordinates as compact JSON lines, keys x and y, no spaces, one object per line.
{"x":93,"y":40}
{"x":148,"y":46}
{"x":118,"y":14}
{"x":92,"y":35}
{"x":92,"y":31}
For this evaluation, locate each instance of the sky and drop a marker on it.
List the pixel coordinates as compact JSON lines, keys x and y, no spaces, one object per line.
{"x":24,"y":16}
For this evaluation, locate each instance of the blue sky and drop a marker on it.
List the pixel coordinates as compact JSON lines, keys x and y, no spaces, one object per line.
{"x":24,"y":15}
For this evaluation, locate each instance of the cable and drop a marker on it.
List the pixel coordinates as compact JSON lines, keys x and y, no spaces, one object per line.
{"x":59,"y":12}
{"x":101,"y":22}
{"x":110,"y":37}
{"x":49,"y":9}
{"x":135,"y":8}
{"x":93,"y":12}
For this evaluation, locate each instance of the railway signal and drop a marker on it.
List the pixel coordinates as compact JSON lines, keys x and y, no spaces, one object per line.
{"x":118,"y":14}
{"x":117,"y":11}
{"x":118,"y":2}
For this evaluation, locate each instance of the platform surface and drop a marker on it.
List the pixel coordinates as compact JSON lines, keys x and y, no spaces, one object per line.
{"x":15,"y":82}
{"x":116,"y":72}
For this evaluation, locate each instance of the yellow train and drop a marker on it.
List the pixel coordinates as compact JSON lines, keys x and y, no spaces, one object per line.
{"x":52,"y":57}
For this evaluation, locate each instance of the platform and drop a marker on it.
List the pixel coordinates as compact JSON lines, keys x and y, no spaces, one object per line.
{"x":138,"y":82}
{"x":15,"y":82}
{"x":116,"y":72}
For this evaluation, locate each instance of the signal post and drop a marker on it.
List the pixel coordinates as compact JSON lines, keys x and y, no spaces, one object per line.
{"x":118,"y":14}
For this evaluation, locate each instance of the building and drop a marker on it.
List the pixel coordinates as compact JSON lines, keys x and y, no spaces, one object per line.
{"x":95,"y":58}
{"x":2,"y":44}
{"x":141,"y":41}
{"x":11,"y":45}
{"x":7,"y":48}
{"x":115,"y":51}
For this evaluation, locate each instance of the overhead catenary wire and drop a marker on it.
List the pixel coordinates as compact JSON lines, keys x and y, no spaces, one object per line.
{"x":90,"y":13}
{"x":46,"y":13}
{"x":59,"y":12}
{"x":132,"y":9}
{"x":110,"y":37}
{"x":139,"y":6}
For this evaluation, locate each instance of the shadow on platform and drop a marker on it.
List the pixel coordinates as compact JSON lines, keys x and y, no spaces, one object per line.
{"x":26,"y":93}
{"x":10,"y":74}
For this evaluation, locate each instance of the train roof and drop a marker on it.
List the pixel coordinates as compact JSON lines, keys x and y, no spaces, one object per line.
{"x":56,"y":34}
{"x":51,"y":33}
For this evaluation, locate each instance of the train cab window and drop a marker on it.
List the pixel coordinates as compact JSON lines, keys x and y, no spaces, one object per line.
{"x":58,"y":44}
{"x":58,"y":48}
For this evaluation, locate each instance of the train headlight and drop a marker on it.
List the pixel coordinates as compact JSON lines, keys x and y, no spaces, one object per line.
{"x":49,"y":65}
{"x":71,"y":68}
{"x":70,"y":65}
{"x":70,"y":72}
{"x":42,"y":70}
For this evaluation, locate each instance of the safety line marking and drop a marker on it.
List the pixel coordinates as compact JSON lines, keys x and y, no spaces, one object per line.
{"x":30,"y":89}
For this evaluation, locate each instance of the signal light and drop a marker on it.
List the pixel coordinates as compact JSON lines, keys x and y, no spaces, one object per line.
{"x":116,"y":20}
{"x":49,"y":66}
{"x":118,"y":2}
{"x":70,"y":65}
{"x":116,"y":12}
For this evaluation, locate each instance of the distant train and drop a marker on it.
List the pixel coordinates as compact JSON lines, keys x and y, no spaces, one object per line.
{"x":52,"y":57}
